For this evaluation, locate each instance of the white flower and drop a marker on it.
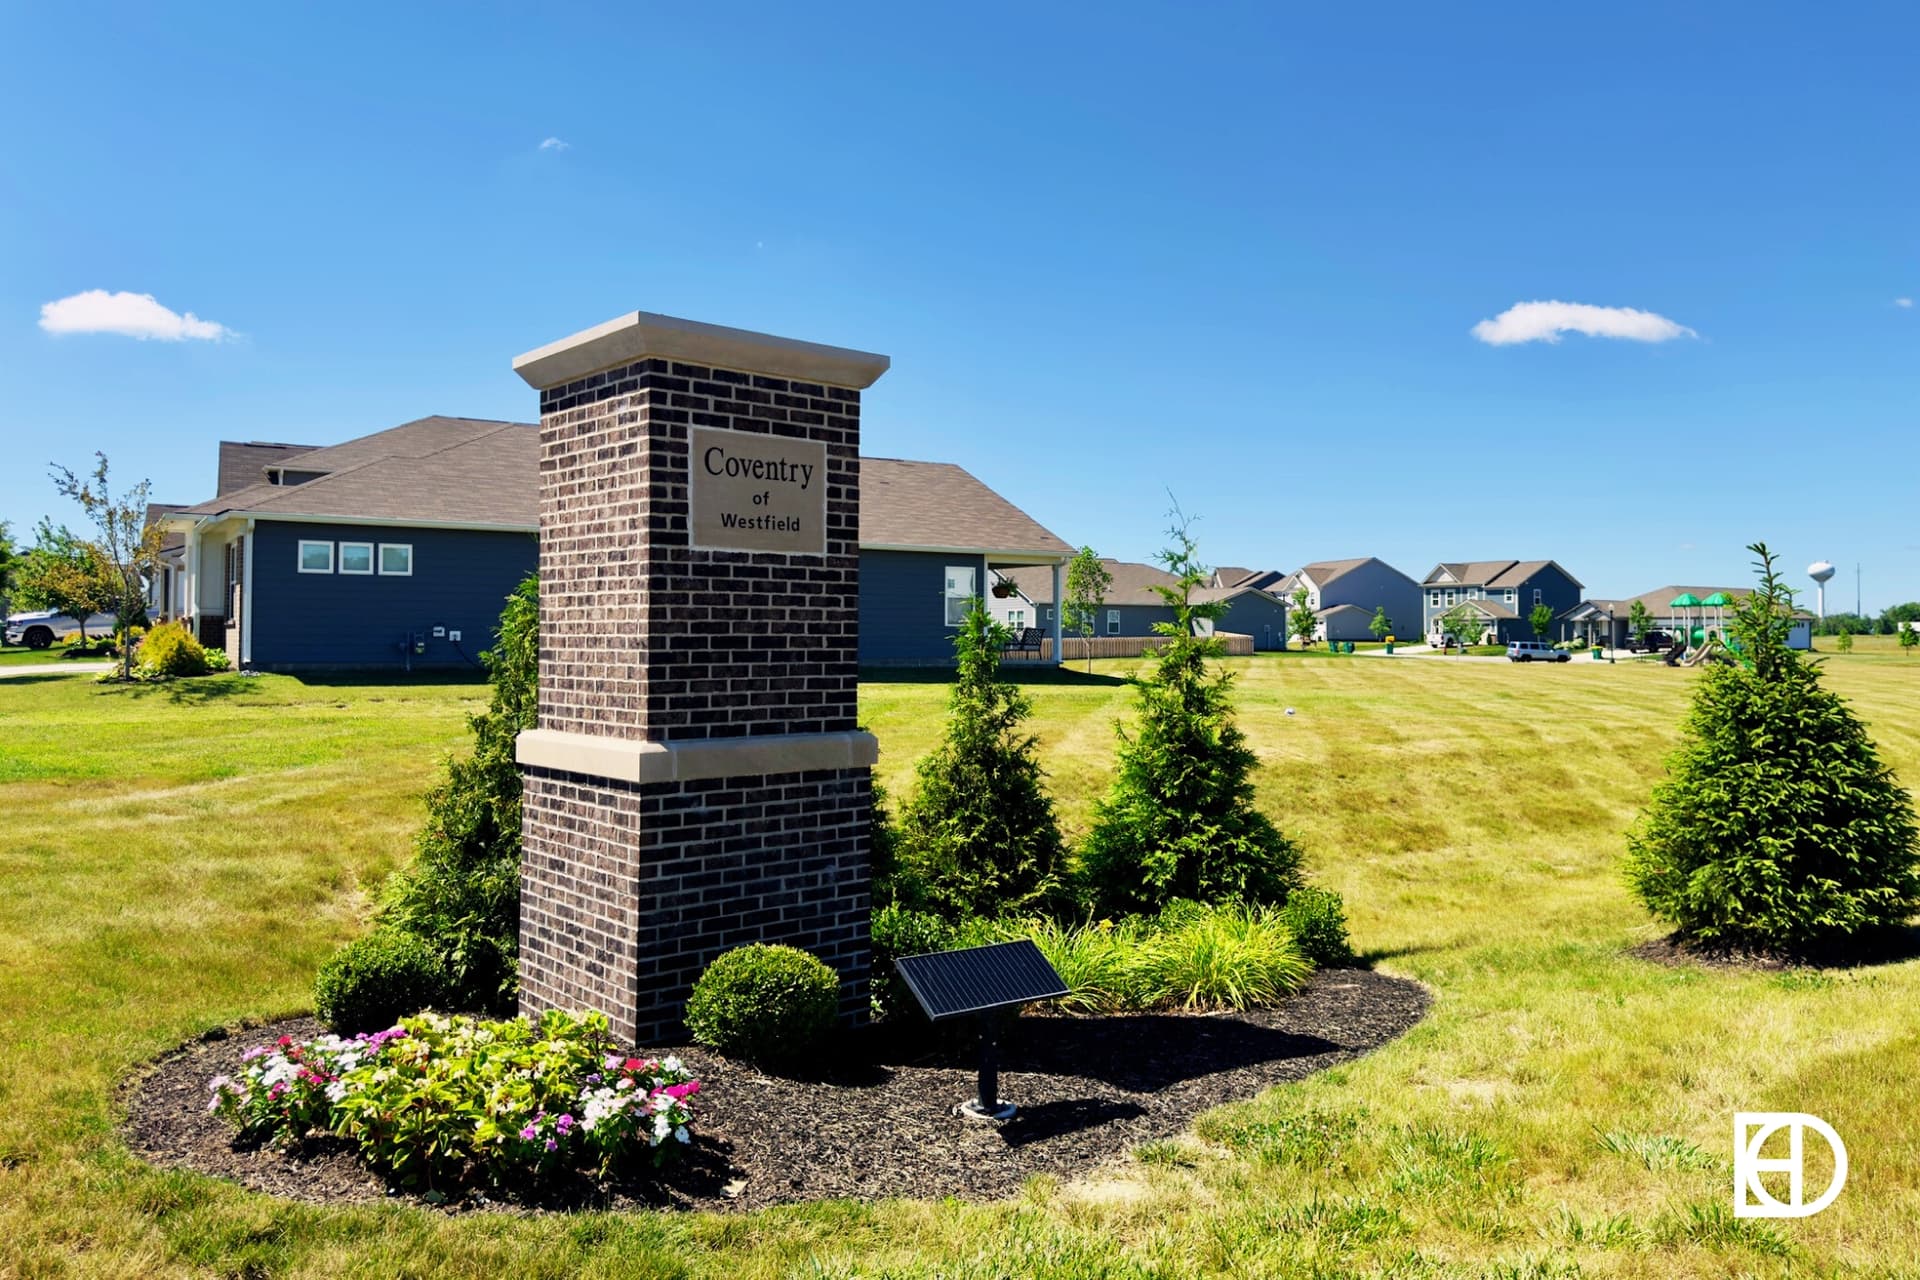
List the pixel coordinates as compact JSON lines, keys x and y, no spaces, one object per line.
{"x":672,"y":1066}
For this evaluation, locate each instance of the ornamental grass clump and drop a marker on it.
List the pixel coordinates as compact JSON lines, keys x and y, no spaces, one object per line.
{"x":1778,"y":828}
{"x":440,"y":1102}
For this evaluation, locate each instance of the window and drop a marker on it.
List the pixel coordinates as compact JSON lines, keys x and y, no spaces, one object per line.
{"x":1536,"y":595}
{"x":959,"y":592}
{"x":1017,"y":618}
{"x":1113,"y":622}
{"x":316,"y":557}
{"x":356,"y":557}
{"x":396,"y":559}
{"x":1433,"y":598}
{"x":1512,"y":596}
{"x":1450,"y":596}
{"x":1046,"y":615}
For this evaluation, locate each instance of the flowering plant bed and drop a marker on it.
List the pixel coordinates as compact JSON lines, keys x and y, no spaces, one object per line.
{"x":440,"y":1101}
{"x":871,"y":1116}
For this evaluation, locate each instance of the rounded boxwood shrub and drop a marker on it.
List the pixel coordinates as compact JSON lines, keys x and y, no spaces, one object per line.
{"x":373,"y":982}
{"x":1317,"y":918}
{"x":764,"y":1003}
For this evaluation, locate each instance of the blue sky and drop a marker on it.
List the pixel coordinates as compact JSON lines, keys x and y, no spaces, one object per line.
{"x":1238,"y":253}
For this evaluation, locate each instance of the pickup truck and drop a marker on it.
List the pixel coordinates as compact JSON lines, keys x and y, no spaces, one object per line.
{"x":40,"y":630}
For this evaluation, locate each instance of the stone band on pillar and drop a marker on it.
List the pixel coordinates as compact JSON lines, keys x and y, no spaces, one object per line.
{"x":697,"y":779}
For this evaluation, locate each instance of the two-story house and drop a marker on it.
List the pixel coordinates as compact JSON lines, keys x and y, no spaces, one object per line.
{"x":1343,"y":594}
{"x":1503,"y":593}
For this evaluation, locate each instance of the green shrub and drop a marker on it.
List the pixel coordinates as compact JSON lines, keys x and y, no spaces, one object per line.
{"x":373,"y":982}
{"x":462,"y":891}
{"x":899,"y":931}
{"x":979,"y":833}
{"x":1317,"y":919}
{"x":442,"y":1101}
{"x":1777,"y":826}
{"x":766,"y":1004}
{"x":1179,"y":821}
{"x":171,"y":650}
{"x":1232,"y":958}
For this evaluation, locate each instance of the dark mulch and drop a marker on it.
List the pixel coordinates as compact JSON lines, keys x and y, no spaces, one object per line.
{"x":1881,"y":946}
{"x":878,"y":1121}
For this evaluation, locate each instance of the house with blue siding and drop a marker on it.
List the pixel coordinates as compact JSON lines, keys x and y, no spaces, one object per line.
{"x":1343,"y":595}
{"x":396,"y":550}
{"x":1501,"y":593}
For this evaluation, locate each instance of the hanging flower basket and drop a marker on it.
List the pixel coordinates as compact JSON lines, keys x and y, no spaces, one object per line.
{"x":1004,"y":590}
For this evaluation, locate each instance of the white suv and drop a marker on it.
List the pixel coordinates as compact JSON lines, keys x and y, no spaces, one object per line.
{"x":40,"y":630}
{"x":1536,"y":651}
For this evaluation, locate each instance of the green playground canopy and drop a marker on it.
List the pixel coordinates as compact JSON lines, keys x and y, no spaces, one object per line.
{"x":1718,"y":600}
{"x":1686,"y":600}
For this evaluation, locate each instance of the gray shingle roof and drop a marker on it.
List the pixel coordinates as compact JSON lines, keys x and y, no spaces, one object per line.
{"x":1491,"y":573}
{"x":461,"y":471}
{"x":243,"y":463}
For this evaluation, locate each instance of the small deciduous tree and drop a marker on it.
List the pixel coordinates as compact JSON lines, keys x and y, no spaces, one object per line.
{"x":1777,"y":825}
{"x":1179,"y":821}
{"x":462,"y":892}
{"x":1540,"y":618}
{"x":1464,"y":623}
{"x":1909,"y":638}
{"x":1300,"y":619}
{"x":1086,"y":590}
{"x":978,"y":833}
{"x":62,"y":573}
{"x":1844,"y":642}
{"x":126,"y":550}
{"x":1640,"y":622}
{"x":1381,"y":626}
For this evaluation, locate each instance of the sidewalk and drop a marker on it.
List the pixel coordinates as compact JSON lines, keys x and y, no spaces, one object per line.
{"x":56,"y":669}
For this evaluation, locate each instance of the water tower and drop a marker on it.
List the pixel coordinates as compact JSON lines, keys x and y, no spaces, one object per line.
{"x":1820,"y":571}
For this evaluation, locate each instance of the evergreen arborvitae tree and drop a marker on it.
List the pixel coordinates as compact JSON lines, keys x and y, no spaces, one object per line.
{"x":1179,"y":821}
{"x":462,"y":893}
{"x":978,"y":836}
{"x":1777,"y":827}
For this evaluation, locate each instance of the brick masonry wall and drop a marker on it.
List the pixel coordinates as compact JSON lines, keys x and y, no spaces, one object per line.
{"x":643,"y":636}
{"x":629,"y":892}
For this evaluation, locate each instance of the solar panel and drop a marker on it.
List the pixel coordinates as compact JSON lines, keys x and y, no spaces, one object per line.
{"x":949,"y":984}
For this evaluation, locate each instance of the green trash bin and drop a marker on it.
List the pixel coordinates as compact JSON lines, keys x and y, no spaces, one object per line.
{"x":1389,"y":646}
{"x":1349,"y":646}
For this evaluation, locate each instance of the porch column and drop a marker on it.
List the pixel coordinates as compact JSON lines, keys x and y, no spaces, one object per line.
{"x":1059,"y":611}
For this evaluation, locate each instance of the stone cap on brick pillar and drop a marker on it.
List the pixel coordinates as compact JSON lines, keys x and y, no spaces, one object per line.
{"x":643,"y":334}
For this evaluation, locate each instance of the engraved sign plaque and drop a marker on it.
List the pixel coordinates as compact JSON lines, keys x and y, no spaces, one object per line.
{"x":750,"y":492}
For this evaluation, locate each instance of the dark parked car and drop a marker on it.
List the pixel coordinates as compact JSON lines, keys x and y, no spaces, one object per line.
{"x":1656,"y":642}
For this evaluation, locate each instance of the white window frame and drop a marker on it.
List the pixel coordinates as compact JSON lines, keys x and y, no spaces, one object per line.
{"x":1513,"y":596}
{"x":953,"y":592}
{"x":1450,"y":597}
{"x":1047,"y":614}
{"x":380,"y":559}
{"x":1017,"y":619}
{"x":301,"y":559}
{"x":1113,"y":622}
{"x":1538,"y":597}
{"x":1433,"y":598}
{"x":340,"y":560}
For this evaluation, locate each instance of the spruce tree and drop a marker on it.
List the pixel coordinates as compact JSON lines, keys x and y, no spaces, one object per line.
{"x":1777,"y":828}
{"x":1180,"y":821}
{"x":978,"y":836}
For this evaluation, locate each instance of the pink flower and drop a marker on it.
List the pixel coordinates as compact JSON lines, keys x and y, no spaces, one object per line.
{"x":681,"y":1092}
{"x":528,"y":1134}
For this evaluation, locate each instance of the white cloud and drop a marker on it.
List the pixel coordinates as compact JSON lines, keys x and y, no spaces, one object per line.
{"x":1546,"y":321}
{"x":134,"y":315}
{"x":556,"y":144}
{"x":1903,"y":302}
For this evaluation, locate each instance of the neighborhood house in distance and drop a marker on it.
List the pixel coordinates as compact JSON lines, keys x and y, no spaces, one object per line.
{"x":1503,"y":593}
{"x":1343,"y":595}
{"x":1132,"y":606}
{"x":1609,"y":622}
{"x":397,"y":549}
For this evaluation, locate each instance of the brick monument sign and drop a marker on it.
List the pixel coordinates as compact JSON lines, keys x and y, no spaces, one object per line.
{"x":696,"y":780}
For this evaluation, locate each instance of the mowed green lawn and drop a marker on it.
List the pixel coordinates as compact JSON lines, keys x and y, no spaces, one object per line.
{"x":179,"y":858}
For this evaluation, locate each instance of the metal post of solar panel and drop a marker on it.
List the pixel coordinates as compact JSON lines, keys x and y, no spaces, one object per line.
{"x":981,"y":981}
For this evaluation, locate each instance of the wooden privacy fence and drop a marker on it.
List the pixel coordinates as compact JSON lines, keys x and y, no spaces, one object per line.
{"x":1238,"y":646}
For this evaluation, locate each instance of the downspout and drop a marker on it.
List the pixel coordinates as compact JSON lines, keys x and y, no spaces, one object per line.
{"x":246,"y":597}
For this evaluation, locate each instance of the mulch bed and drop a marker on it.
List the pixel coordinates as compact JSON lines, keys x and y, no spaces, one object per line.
{"x":877,"y":1122}
{"x":1884,"y":946}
